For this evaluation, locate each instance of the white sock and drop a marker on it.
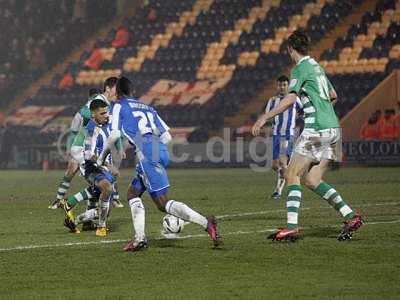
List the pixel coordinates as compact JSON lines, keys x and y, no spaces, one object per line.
{"x":280,"y":185}
{"x":138,"y":218}
{"x":181,"y":210}
{"x":88,"y":215}
{"x":281,"y":181}
{"x":104,"y":206}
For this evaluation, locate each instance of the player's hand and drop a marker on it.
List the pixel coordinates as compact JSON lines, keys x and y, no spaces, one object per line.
{"x":258,"y":125}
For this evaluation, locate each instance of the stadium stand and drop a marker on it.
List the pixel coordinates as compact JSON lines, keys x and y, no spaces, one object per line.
{"x":38,"y":34}
{"x":199,"y":61}
{"x":366,"y":55}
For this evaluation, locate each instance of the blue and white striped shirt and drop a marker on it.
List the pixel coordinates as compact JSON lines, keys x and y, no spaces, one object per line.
{"x":96,"y":136}
{"x":284,"y":123}
{"x":101,"y":141}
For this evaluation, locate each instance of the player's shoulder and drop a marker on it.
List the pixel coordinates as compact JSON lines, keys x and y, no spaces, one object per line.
{"x":305,"y":63}
{"x":127,"y":101}
{"x":91,"y":123}
{"x":117,"y":105}
{"x":90,"y":126}
{"x":84,"y":110}
{"x":139,"y":105}
{"x":311,"y":65}
{"x":275,"y":99}
{"x":269,"y":102}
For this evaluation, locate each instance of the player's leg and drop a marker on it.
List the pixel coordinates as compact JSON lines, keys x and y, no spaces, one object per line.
{"x":307,"y":151}
{"x":183,"y":211}
{"x":72,"y":169}
{"x":65,"y":183}
{"x":156,"y":177}
{"x":88,"y":216}
{"x":116,"y":160}
{"x":314,"y":182}
{"x":68,"y":205}
{"x":135,"y":191}
{"x":276,"y":165}
{"x":282,"y":162}
{"x":156,"y":180}
{"x":115,"y":197}
{"x":286,"y":149}
{"x":298,"y":165}
{"x":86,"y":219}
{"x":105,"y":187}
{"x":73,"y":200}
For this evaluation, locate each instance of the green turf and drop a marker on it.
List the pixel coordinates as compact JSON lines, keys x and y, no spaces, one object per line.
{"x":248,"y":266}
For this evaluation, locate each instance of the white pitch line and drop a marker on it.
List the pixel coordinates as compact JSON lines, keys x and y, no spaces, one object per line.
{"x":30,"y":247}
{"x":263,"y":212}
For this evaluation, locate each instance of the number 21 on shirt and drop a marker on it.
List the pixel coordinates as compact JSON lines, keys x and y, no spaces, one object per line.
{"x":146,"y":122}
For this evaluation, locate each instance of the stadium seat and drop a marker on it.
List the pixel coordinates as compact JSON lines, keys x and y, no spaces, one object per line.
{"x":237,"y":44}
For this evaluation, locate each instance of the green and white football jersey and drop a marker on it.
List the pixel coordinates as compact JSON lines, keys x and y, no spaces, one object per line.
{"x":308,"y":80}
{"x":86,"y":116}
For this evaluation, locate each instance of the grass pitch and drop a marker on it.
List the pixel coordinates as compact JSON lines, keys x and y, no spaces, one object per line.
{"x":40,"y":259}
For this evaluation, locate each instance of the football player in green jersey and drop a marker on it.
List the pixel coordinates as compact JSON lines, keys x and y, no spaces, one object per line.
{"x":78,"y":128}
{"x":317,"y":145}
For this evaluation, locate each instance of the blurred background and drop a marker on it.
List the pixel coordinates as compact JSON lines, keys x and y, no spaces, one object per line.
{"x":205,"y":65}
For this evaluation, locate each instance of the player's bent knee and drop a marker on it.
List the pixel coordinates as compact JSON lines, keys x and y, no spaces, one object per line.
{"x":106,"y":187}
{"x":290,"y":175}
{"x":69,"y":174}
{"x":133,"y":193}
{"x":72,"y":169}
{"x":311,"y":183}
{"x":161,"y":207}
{"x":161,"y":202}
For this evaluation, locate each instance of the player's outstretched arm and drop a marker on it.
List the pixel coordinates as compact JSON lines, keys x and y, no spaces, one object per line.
{"x":286,"y":102}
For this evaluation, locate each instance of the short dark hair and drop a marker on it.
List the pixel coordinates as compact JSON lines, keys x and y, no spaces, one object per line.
{"x":124,"y":87}
{"x":282,"y":78}
{"x":96,"y":104}
{"x":94,"y":91}
{"x":299,"y":41}
{"x":109,"y":82}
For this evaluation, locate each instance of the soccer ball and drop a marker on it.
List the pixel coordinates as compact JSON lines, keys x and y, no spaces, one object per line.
{"x":172,"y":224}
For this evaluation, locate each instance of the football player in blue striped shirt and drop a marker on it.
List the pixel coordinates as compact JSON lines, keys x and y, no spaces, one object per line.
{"x":283,"y":127}
{"x":144,"y":129}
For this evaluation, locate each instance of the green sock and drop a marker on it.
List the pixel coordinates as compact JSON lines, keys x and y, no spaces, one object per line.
{"x":334,"y":199}
{"x":293,"y":205}
{"x":78,"y":197}
{"x":63,"y":188}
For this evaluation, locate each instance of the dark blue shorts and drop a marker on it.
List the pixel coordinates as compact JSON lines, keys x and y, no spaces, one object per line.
{"x":97,"y":177}
{"x":152,"y":176}
{"x":282,"y":145}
